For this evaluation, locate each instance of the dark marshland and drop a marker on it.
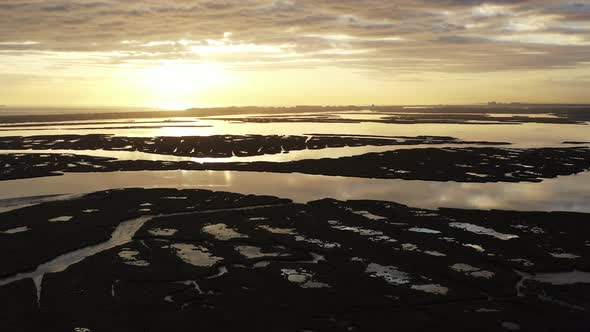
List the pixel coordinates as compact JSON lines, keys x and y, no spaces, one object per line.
{"x":139,"y":192}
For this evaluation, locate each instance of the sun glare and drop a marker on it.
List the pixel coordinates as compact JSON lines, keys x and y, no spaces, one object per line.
{"x":179,"y":86}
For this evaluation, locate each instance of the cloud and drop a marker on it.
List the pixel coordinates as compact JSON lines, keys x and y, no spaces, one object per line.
{"x":379,"y":35}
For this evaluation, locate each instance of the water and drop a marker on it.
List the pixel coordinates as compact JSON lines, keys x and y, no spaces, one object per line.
{"x":122,"y":235}
{"x":483,"y":231}
{"x":570,"y":193}
{"x":522,"y":135}
{"x":279,"y":157}
{"x":560,"y":278}
{"x":391,"y":274}
{"x":194,"y":255}
{"x":222,"y":232}
{"x":567,"y":193}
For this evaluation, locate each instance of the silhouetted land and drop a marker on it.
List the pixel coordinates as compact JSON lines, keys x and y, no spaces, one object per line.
{"x":216,"y":260}
{"x":565,"y":113}
{"x":478,"y":164}
{"x":218,"y":145}
{"x":176,"y":260}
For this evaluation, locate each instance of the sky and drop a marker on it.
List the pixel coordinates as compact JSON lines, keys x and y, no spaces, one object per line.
{"x":177,"y":54}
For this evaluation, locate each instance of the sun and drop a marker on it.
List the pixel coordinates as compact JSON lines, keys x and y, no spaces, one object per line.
{"x":180,"y":86}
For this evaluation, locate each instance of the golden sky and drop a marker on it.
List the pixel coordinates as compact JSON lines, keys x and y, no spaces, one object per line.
{"x":184,"y":53}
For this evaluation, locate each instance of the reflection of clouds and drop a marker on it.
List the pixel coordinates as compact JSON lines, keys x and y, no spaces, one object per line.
{"x":569,"y":193}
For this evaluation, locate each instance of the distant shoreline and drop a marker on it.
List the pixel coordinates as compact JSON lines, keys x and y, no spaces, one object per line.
{"x":221,"y":111}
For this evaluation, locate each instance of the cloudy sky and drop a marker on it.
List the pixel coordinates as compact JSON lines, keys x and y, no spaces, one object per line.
{"x":180,"y":53}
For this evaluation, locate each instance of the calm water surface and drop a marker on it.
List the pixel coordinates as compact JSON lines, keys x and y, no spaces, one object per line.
{"x":570,"y":193}
{"x":567,"y":193}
